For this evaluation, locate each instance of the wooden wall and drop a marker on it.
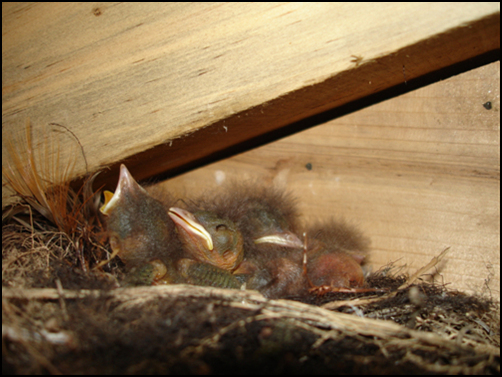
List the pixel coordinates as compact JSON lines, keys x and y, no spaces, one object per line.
{"x":417,"y":173}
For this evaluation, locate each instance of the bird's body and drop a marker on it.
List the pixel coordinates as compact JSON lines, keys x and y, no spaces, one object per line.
{"x":334,"y":255}
{"x":205,"y":274}
{"x":140,"y":231}
{"x":279,"y":277}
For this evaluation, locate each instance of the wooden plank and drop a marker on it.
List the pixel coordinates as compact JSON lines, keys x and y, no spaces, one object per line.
{"x":163,"y":85}
{"x":417,"y":173}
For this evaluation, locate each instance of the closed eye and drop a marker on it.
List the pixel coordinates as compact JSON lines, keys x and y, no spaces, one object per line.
{"x":221,"y":227}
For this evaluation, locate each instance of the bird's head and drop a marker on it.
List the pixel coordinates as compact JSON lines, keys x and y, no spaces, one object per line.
{"x":209,"y":238}
{"x":270,"y":227}
{"x":137,"y":224}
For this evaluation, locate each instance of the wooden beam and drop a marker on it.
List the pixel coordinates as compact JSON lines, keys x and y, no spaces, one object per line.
{"x":163,"y":85}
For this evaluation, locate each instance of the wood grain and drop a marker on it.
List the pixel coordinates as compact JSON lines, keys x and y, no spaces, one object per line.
{"x":417,"y":173}
{"x":163,"y":85}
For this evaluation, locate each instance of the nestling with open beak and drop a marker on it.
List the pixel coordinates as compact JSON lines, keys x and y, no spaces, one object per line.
{"x":140,"y":231}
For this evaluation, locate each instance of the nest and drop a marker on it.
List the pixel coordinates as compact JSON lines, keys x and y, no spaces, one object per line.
{"x":416,"y":327}
{"x":62,"y":313}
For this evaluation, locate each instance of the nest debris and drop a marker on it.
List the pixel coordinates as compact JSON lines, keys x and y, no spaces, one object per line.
{"x":85,"y":324}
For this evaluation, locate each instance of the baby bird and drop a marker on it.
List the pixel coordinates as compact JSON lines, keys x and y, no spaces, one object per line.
{"x":273,"y":251}
{"x":244,"y":234}
{"x":334,"y":257}
{"x":140,"y":231}
{"x":267,"y":219}
{"x":213,"y":247}
{"x":265,"y":216}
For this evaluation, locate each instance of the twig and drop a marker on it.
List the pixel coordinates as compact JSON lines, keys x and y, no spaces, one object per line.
{"x":421,"y":271}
